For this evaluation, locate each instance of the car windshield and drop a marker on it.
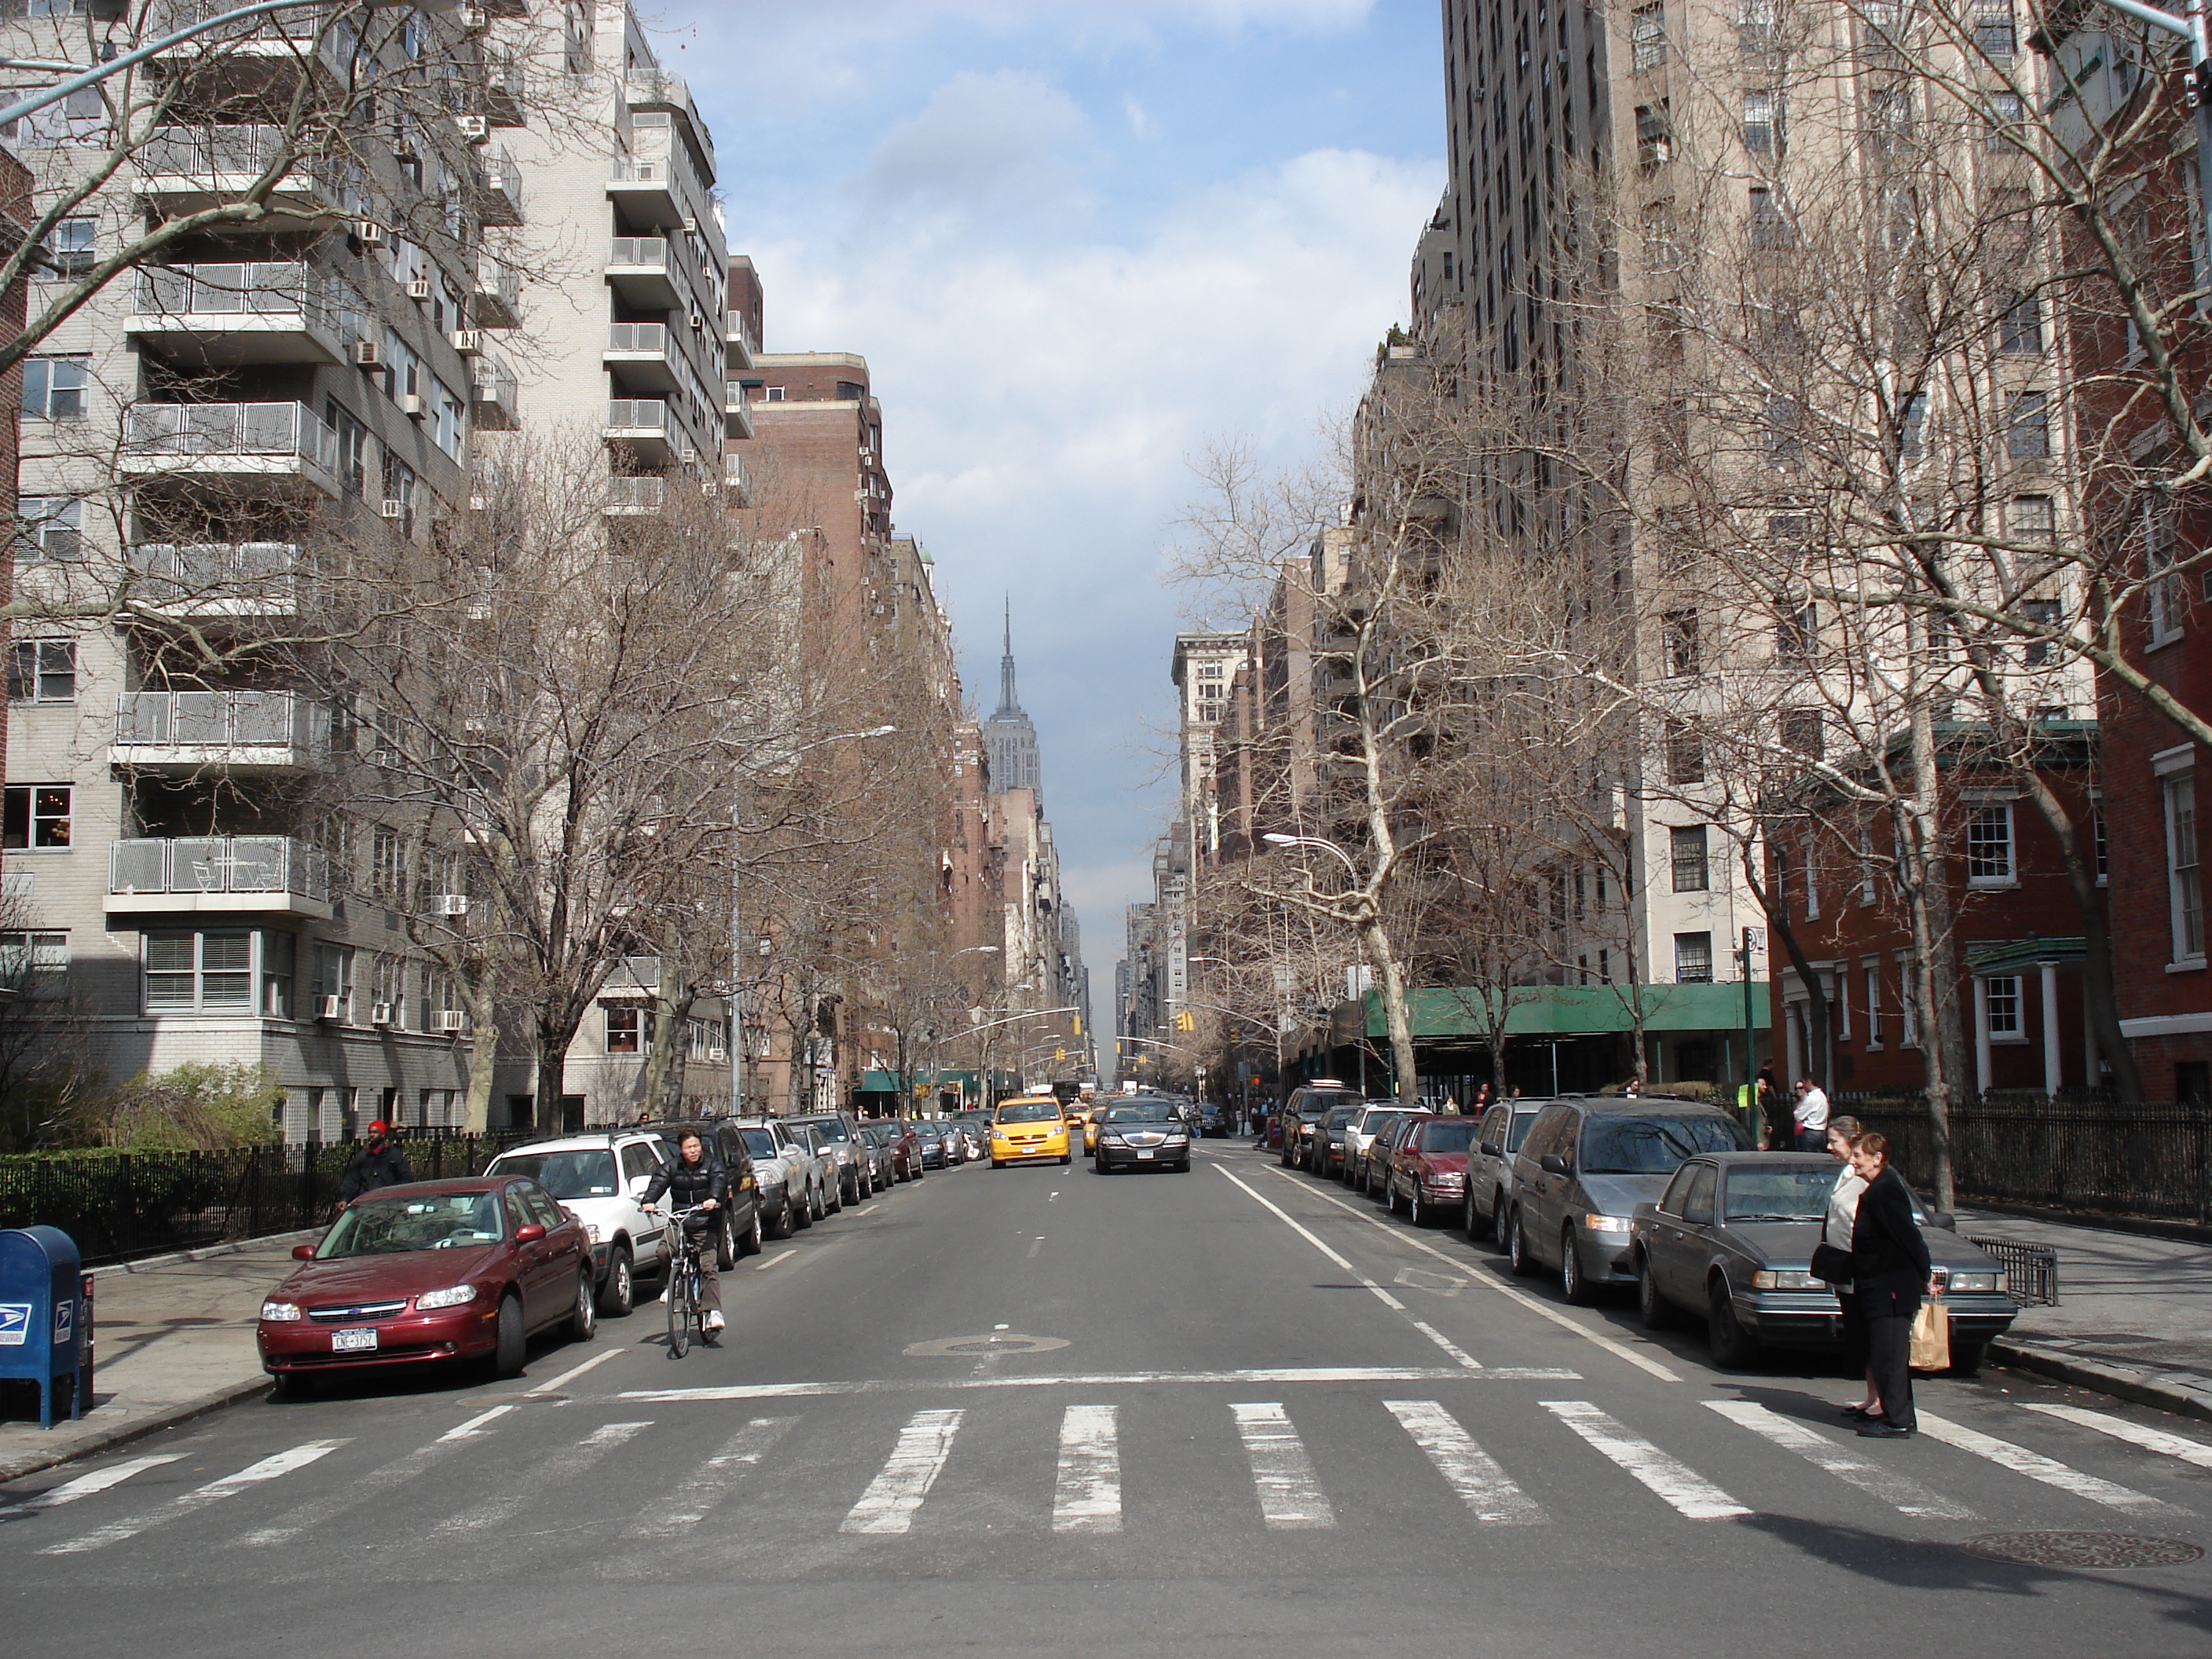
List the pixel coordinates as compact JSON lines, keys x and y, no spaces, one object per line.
{"x":1516,"y":1129}
{"x":832,"y":1129}
{"x":1653,"y":1145}
{"x":1149,"y":1111}
{"x":759,"y":1142}
{"x":587,"y":1173}
{"x":388,"y":1227}
{"x":1451,"y":1134}
{"x":1030,"y":1112}
{"x":1789,"y":1195}
{"x":1376,"y":1122}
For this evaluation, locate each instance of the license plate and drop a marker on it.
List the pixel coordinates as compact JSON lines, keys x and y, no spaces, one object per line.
{"x":352,"y":1341}
{"x":1143,"y":1155}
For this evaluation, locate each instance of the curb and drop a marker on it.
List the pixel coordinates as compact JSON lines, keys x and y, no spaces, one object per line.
{"x":145,"y":1264}
{"x":122,"y":1433}
{"x":2186,"y":1232}
{"x":2121,"y":1382}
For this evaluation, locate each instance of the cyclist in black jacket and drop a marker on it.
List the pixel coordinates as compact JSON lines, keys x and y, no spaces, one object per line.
{"x":696,"y":1181}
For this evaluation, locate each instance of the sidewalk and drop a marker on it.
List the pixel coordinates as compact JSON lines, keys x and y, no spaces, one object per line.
{"x":2134,"y":1316}
{"x":175,"y":1338}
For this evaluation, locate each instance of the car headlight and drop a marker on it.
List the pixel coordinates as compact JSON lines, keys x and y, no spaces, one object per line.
{"x":1605,"y":1224}
{"x":452,"y":1296}
{"x":280,"y":1311}
{"x":1768,"y":1278}
{"x":591,"y":1232}
{"x":1448,"y":1178}
{"x":1973,"y":1281}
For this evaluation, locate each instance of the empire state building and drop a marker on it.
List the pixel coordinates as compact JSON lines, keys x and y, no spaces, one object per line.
{"x":1009,"y":742}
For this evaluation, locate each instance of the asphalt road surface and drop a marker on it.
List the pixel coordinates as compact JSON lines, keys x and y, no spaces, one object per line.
{"x":1231,"y":1411}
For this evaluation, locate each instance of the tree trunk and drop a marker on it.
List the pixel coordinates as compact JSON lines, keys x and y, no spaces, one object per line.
{"x":1929,"y":903}
{"x":483,"y":1051}
{"x":1377,"y":939}
{"x":552,"y":1040}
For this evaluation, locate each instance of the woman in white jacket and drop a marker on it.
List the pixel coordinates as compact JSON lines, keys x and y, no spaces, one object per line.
{"x":1836,"y":1230}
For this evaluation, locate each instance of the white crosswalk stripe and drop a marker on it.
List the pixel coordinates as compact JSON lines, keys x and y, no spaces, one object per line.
{"x":269,"y":1468}
{"x":1900,"y":1492}
{"x":1687,"y":1490}
{"x":2150,"y":1439}
{"x":564,"y":1465}
{"x":690,"y":1502}
{"x":329,"y":1504}
{"x":2036,"y":1467}
{"x":893,"y":1496}
{"x":1086,"y":1496}
{"x":1290,"y":1497}
{"x":1487,"y":1490}
{"x":84,"y":1486}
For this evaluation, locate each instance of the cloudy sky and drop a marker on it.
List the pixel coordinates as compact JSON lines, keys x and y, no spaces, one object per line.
{"x":1074,"y":239}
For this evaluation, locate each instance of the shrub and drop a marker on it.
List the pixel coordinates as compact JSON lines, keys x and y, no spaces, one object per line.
{"x":198,"y":1107}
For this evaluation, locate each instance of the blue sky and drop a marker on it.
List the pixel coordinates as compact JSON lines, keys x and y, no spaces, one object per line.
{"x":1075,"y":241}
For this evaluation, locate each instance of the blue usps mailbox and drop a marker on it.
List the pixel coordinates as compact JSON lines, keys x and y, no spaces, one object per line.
{"x":42,"y":1314}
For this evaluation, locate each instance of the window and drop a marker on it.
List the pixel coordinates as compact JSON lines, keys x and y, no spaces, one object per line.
{"x":1994,"y":37}
{"x":1693,"y":958}
{"x":1873,"y":1004}
{"x":42,"y":671}
{"x":1988,"y":846}
{"x":353,"y":449}
{"x":53,"y":527}
{"x":2043,"y":613}
{"x":1647,"y":37}
{"x":1797,"y":635}
{"x":1685,"y":753}
{"x":1868,"y":891}
{"x":1687,"y":845}
{"x":2028,"y":428}
{"x":276,"y":957}
{"x":1660,"y":251}
{"x":2005,"y":112}
{"x":1759,"y":25}
{"x":626,"y":1029}
{"x":2001,"y":1004}
{"x":34,"y":964}
{"x":1769,"y":227}
{"x":2020,"y":329}
{"x":447,"y":419}
{"x":2097,"y":834}
{"x":1911,"y":425}
{"x":1889,"y":119}
{"x":333,"y":980}
{"x":2030,"y":520}
{"x":74,"y":246}
{"x":1908,"y":1001}
{"x":774,"y":394}
{"x":1679,"y":636}
{"x":38,"y":815}
{"x":387,"y":866}
{"x":1762,"y":122}
{"x":1783,"y":420}
{"x":1654,"y":138}
{"x":2183,"y":880}
{"x":1811,"y":864}
{"x":53,"y":387}
{"x":387,"y":987}
{"x":199,"y":972}
{"x":2162,"y":593}
{"x":1804,"y":732}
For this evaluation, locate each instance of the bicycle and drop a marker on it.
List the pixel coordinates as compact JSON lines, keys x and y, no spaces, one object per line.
{"x":682,"y":1250}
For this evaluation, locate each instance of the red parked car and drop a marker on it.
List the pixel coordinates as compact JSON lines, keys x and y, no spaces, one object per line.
{"x":1428,"y":1168}
{"x":432,"y":1273}
{"x":905,"y":1144}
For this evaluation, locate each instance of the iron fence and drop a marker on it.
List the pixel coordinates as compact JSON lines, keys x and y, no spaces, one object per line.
{"x":120,"y":1205}
{"x":2145,"y":1158}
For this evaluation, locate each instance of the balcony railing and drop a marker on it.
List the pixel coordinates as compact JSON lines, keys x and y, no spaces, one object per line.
{"x":651,"y":252}
{"x":218,"y":576}
{"x":219,"y":864}
{"x":737,"y":338}
{"x":494,"y":391}
{"x":498,"y":296}
{"x":643,"y":494}
{"x":333,"y":42}
{"x":638,"y":337}
{"x":500,"y":200}
{"x":736,"y":480}
{"x":220,"y":719}
{"x":638,"y":415}
{"x":268,"y":297}
{"x":225,"y":157}
{"x":161,"y":437}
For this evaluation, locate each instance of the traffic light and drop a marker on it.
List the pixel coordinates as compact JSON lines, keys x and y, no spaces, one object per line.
{"x":1060,"y":1053}
{"x":1186,"y":1020}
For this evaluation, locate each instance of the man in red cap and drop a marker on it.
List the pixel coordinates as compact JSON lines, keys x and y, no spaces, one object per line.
{"x":380,"y":1163}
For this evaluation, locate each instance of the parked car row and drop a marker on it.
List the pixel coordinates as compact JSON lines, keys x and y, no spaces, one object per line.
{"x":1661,"y":1196}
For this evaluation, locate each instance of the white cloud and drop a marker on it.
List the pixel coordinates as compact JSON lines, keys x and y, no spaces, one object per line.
{"x":1140,"y":124}
{"x":985,"y":147}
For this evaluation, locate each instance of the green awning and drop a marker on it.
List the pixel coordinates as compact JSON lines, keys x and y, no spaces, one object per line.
{"x":879,"y":1083}
{"x":1447,"y":1013}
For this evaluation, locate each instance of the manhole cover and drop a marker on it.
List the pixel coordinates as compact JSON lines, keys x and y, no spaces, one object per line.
{"x":949,"y":1347}
{"x":2082,"y":1549}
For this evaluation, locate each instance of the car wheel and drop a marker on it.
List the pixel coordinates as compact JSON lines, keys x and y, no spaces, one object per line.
{"x":1574,"y":1282}
{"x":786,"y":1222}
{"x":1067,"y":1158}
{"x":1967,"y":1353}
{"x":726,"y":1243}
{"x":619,"y":1294}
{"x":1390,"y":1195}
{"x":291,"y":1386}
{"x":510,"y":1344}
{"x":998,"y":1164}
{"x":1516,"y":1248}
{"x":1097,"y":1165}
{"x":1470,"y":1221}
{"x":584,"y":1321}
{"x":1415,"y":1214}
{"x":751,"y":1244}
{"x":1733,"y":1347}
{"x":1498,"y":1218}
{"x":1183,"y":1168}
{"x":1653,"y":1309}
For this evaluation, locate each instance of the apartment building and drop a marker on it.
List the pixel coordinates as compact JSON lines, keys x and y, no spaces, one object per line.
{"x":1201,"y":668}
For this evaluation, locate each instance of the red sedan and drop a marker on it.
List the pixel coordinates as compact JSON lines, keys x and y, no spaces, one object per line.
{"x":1428,"y":1170}
{"x":435,"y":1272}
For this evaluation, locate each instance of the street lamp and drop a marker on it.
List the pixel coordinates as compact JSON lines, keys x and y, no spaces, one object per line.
{"x":1342,"y":857}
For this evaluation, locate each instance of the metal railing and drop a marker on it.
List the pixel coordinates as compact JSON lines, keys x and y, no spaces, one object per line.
{"x":501,"y":200}
{"x":204,"y":293}
{"x":218,"y":864}
{"x":651,"y":252}
{"x":637,"y":414}
{"x":498,"y":287}
{"x":169,"y":571}
{"x":638,"y":337}
{"x":220,"y":719}
{"x":287,"y":429}
{"x":210,"y":152}
{"x":643,"y":494}
{"x":491,"y":381}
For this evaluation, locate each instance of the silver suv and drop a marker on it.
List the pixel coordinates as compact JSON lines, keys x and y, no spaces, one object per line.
{"x":788,"y":1172}
{"x":841,"y":1139}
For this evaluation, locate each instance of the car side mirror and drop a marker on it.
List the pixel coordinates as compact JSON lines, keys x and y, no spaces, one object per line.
{"x":1492,"y":1149}
{"x":638,"y":1184}
{"x":1944,"y":1220}
{"x":1553,"y":1164}
{"x":529,"y":1233}
{"x":303,"y":1253}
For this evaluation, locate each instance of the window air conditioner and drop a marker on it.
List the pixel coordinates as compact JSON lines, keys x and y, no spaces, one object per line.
{"x":690,"y":455}
{"x":369,"y":231}
{"x":452,"y":904}
{"x":380,"y":1014}
{"x":394,"y":509}
{"x":473,"y":20}
{"x":473,"y":128}
{"x":368,"y":354}
{"x":453,"y":1021}
{"x":468,"y":342}
{"x":329,"y":1007}
{"x":411,"y":402}
{"x":419,"y":288}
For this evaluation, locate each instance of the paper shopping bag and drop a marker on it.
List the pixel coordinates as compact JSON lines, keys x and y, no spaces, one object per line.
{"x":1932,"y":1337}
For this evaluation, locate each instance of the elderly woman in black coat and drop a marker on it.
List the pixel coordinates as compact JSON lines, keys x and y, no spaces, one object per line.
{"x":1890,"y":1271}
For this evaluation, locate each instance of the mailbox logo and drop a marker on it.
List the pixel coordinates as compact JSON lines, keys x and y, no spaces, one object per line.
{"x":65,"y":1322}
{"x":15,"y":1324}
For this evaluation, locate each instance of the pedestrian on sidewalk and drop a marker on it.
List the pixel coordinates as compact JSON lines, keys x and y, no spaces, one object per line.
{"x":1836,"y":1226}
{"x":380,"y":1163}
{"x":1890,"y":1271}
{"x":1774,"y":1109}
{"x":1811,"y":1116}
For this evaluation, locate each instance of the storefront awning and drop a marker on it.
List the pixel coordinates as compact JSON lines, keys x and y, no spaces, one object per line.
{"x":1461,"y":1014}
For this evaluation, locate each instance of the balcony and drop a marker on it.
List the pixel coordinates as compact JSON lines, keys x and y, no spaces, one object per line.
{"x":738,"y":342}
{"x":639,"y":356}
{"x":737,"y":480}
{"x":494,"y":396}
{"x":184,"y":169}
{"x":232,"y":315}
{"x":641,"y":424}
{"x":650,"y":191}
{"x":504,"y":104}
{"x":215,"y":873}
{"x":496,"y":300}
{"x":498,"y":197}
{"x":244,"y":734}
{"x":208,"y":580}
{"x":275,"y":41}
{"x":668,"y":96}
{"x":632,"y":497}
{"x":737,"y":411}
{"x":258,"y":448}
{"x":643,"y":270}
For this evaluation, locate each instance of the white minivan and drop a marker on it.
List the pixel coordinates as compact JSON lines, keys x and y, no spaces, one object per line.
{"x":598,"y":1178}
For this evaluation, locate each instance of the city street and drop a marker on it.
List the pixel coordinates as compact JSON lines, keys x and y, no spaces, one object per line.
{"x":1234,"y":1411}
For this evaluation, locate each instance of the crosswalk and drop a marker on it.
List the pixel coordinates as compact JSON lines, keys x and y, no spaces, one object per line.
{"x":1528,"y":1475}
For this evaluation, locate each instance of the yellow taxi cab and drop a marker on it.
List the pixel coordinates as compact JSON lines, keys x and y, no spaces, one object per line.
{"x":1090,"y":1129}
{"x":1029,"y":1129}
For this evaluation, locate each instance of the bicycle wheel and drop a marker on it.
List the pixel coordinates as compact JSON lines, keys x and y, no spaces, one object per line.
{"x":681,"y":1290}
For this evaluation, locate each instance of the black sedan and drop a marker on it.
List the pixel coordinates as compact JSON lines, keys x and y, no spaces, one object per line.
{"x":1135,"y":1133}
{"x":1731,"y":1241}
